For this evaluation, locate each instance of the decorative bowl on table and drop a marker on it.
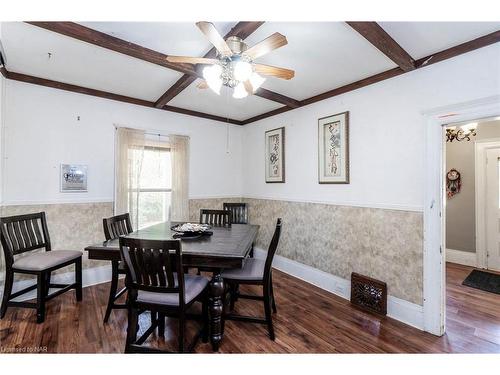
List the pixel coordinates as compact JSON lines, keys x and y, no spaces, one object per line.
{"x":191,"y":230}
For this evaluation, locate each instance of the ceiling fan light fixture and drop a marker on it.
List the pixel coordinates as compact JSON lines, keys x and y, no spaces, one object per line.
{"x":256,"y":80}
{"x":212,"y":75}
{"x":242,"y":70}
{"x":239,"y":91}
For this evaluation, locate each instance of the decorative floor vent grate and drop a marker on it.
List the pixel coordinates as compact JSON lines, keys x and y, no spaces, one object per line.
{"x":369,"y":294}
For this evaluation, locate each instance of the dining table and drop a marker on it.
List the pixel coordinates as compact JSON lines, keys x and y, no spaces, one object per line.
{"x":228,"y":247}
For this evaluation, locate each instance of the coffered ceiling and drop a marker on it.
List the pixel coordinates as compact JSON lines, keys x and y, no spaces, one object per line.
{"x":324,"y":55}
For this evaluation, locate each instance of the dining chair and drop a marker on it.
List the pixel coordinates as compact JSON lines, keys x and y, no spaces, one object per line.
{"x":115,"y":227}
{"x":239,"y":215}
{"x":216,"y":218}
{"x":239,"y":212}
{"x":255,"y":272}
{"x":23,"y":234}
{"x":156,"y":283}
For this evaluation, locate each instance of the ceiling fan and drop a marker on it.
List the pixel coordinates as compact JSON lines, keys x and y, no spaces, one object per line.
{"x":234,"y":64}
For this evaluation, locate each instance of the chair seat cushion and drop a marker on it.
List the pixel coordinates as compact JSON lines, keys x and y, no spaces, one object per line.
{"x":45,"y":260}
{"x":193,"y":286}
{"x":253,"y":270}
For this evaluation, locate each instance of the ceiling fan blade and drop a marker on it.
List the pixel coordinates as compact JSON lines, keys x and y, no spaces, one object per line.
{"x":248,"y":87}
{"x":214,"y":37}
{"x":267,"y":45}
{"x":191,"y":60}
{"x":202,"y":85}
{"x":269,"y":70}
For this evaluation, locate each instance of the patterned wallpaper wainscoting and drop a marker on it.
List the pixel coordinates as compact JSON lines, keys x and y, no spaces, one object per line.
{"x":380,"y":243}
{"x":195,"y":205}
{"x":72,"y":226}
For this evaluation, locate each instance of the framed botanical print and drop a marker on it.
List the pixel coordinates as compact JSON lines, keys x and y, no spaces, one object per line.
{"x":275,"y":155}
{"x":333,"y":147}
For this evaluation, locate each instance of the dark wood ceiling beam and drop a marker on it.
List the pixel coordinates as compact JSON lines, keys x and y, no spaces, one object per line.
{"x":270,"y":95}
{"x":103,"y":40}
{"x":274,"y":112}
{"x":354,"y":86}
{"x":208,"y":116}
{"x":108,"y":95}
{"x":377,"y":36}
{"x":446,"y":54}
{"x":460,"y":49}
{"x":241,"y":29}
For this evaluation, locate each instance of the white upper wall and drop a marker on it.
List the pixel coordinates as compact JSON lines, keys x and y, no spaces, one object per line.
{"x":387,"y":138}
{"x":387,"y":135}
{"x":41,"y":131}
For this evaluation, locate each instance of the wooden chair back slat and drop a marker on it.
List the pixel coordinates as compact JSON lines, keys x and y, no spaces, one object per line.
{"x":37,"y":231}
{"x":31,"y":232}
{"x":218,"y":218}
{"x":22,"y":233}
{"x":153,"y":265}
{"x":116,"y":226}
{"x":18,"y":235}
{"x":239,"y":212}
{"x":273,"y":246}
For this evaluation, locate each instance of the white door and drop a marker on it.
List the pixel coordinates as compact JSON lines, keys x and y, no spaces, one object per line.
{"x":493,"y":209}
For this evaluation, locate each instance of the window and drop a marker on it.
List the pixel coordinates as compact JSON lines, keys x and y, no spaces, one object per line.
{"x":151,"y":177}
{"x":154,"y":192}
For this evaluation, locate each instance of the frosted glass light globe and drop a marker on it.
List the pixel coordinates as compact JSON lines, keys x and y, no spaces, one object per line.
{"x":212,"y":77}
{"x":242,"y":71}
{"x":256,"y":80}
{"x":239,"y":91}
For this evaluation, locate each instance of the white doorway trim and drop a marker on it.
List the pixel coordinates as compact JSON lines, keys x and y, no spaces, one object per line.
{"x":480,"y":166}
{"x":434,"y":213}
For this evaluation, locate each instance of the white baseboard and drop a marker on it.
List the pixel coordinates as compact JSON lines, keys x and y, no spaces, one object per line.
{"x":90,"y":276}
{"x":461,"y":257}
{"x":399,"y":309}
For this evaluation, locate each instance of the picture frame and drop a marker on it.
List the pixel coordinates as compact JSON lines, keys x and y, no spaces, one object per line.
{"x":333,"y":149}
{"x":275,"y":155}
{"x":73,"y":178}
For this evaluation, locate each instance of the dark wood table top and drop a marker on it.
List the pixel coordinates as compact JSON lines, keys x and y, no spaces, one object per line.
{"x":226,"y":248}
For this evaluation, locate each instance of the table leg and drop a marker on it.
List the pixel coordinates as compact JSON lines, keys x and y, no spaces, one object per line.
{"x":215,"y":308}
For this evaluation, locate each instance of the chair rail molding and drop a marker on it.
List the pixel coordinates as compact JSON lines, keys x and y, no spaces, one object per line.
{"x":348,"y":203}
{"x":434,"y":198}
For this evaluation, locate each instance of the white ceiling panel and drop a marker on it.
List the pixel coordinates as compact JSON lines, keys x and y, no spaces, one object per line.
{"x":421,"y":39}
{"x":76,"y":62}
{"x":224,"y":104}
{"x":170,"y":38}
{"x":324,"y":55}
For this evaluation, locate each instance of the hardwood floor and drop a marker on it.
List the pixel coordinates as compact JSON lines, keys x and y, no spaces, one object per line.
{"x":309,"y":320}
